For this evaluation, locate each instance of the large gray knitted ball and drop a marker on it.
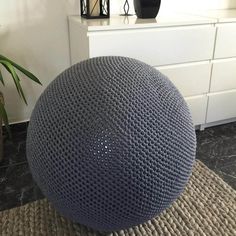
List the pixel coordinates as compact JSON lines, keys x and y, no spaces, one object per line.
{"x":111,"y":143}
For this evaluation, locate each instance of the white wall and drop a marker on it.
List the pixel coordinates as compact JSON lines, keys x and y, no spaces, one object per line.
{"x":190,"y":5}
{"x":182,"y":5}
{"x":35,"y":34}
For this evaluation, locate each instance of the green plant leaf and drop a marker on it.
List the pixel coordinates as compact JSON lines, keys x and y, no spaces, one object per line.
{"x":1,"y":78}
{"x":3,"y":115}
{"x":21,"y":90}
{"x":8,"y":66}
{"x":4,"y":62}
{"x":15,"y":77}
{"x":24,"y":71}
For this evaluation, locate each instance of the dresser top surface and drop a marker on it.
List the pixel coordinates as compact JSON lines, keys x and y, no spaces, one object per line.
{"x":222,"y":16}
{"x":116,"y":22}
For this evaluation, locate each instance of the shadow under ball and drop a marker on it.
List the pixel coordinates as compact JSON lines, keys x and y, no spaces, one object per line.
{"x":147,"y":8}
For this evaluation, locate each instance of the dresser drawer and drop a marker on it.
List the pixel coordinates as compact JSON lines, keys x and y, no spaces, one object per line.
{"x":191,"y":79}
{"x":221,"y":106}
{"x":226,"y":40}
{"x":223,"y":75}
{"x":156,"y":46}
{"x":197,"y":106}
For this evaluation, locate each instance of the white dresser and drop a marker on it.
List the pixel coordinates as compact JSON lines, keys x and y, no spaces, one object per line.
{"x":222,"y":91}
{"x":183,"y":47}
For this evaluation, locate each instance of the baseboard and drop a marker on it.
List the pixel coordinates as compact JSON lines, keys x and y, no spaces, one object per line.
{"x":216,"y":123}
{"x":17,"y":127}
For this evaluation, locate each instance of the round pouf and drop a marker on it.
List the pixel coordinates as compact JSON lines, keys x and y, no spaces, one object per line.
{"x":111,"y":143}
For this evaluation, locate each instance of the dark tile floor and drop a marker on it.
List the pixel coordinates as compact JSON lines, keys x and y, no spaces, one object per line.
{"x":216,"y":148}
{"x":16,"y":184}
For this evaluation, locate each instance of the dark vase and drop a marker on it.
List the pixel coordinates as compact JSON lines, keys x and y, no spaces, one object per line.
{"x":147,"y":8}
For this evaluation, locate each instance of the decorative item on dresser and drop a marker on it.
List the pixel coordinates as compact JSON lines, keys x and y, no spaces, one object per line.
{"x":147,"y":8}
{"x":93,"y":9}
{"x":126,"y":9}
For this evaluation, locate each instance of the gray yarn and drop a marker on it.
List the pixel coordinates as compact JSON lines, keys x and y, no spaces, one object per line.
{"x":111,"y":143}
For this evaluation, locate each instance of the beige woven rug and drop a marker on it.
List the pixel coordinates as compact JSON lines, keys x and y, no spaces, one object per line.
{"x":207,"y":207}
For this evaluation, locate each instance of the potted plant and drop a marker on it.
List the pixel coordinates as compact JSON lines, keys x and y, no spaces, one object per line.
{"x":11,"y":67}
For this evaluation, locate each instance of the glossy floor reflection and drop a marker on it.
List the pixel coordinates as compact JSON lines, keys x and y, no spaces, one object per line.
{"x":216,"y":148}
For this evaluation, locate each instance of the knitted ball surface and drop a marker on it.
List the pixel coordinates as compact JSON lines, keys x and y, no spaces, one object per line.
{"x":111,"y":143}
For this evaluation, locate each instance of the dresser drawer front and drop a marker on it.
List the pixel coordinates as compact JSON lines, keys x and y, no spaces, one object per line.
{"x":197,"y":106}
{"x":223,"y":75}
{"x":226,"y":41}
{"x":191,"y":79}
{"x":156,"y":46}
{"x":221,"y":106}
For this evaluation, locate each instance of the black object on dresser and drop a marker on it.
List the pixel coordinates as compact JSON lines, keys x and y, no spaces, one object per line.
{"x":147,"y":8}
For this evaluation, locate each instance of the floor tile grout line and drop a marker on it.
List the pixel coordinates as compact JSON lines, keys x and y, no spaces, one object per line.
{"x":15,"y":164}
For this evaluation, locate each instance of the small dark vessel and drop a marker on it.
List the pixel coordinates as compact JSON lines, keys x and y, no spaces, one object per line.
{"x":147,"y":8}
